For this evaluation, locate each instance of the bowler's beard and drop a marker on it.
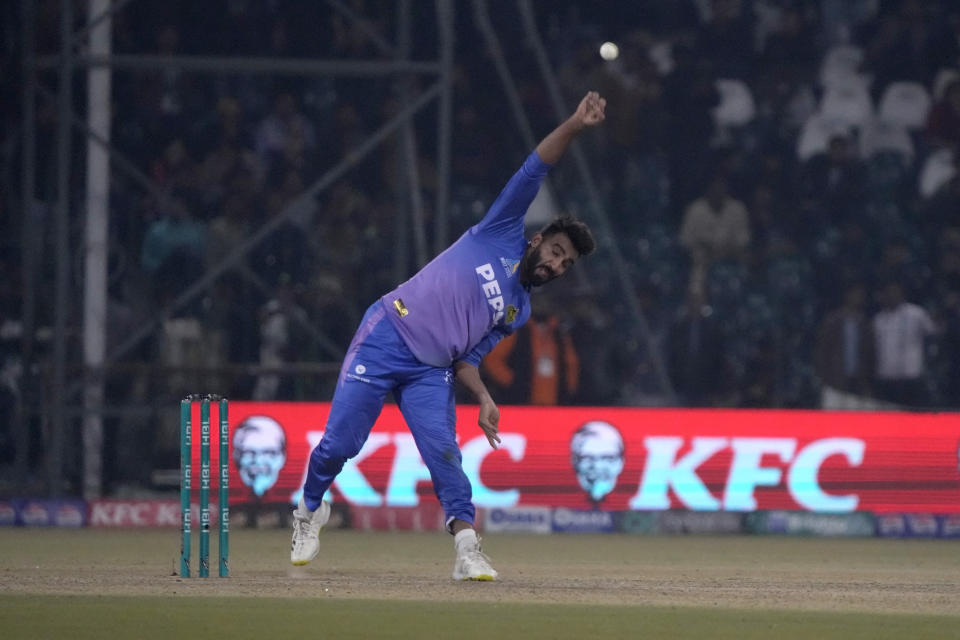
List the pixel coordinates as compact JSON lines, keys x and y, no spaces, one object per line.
{"x":532,"y":272}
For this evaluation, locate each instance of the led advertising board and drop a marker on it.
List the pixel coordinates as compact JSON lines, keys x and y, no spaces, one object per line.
{"x":621,"y":459}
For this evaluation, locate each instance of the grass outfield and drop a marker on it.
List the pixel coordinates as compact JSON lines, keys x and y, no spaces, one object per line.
{"x":82,"y":617}
{"x":121,"y":584}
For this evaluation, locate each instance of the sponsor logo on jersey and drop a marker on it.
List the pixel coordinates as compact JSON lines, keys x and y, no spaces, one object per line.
{"x":509,"y":266}
{"x":511,"y":314}
{"x":491,"y":289}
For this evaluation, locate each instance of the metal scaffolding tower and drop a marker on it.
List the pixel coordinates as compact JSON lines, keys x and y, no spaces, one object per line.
{"x":88,"y":49}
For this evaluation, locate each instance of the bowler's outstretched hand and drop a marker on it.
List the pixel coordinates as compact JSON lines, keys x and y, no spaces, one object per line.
{"x":489,"y":418}
{"x":590,"y":111}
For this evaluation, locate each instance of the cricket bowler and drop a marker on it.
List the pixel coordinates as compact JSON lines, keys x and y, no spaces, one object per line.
{"x":436,"y":327}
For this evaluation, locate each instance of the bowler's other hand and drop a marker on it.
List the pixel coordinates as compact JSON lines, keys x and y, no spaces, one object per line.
{"x":489,"y":418}
{"x":590,"y":111}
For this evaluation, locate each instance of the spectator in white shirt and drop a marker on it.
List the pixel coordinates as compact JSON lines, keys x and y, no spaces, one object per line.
{"x":715,"y":227}
{"x":901,"y":329}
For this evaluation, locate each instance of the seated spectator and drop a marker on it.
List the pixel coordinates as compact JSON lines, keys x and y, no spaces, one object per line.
{"x":175,"y":231}
{"x":175,"y":169}
{"x":844,"y":352}
{"x":285,"y":136}
{"x":229,"y":158}
{"x":832,"y":185}
{"x":237,"y":216}
{"x":901,"y":329}
{"x":173,"y":248}
{"x":715,"y":227}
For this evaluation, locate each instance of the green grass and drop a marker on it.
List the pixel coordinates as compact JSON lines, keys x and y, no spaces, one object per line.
{"x":81,"y":617}
{"x":96,"y":583}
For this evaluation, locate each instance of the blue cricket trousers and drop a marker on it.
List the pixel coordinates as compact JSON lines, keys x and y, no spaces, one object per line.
{"x":379,"y":361}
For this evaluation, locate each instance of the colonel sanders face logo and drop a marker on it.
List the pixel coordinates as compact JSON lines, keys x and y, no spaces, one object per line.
{"x":259,"y":451}
{"x":596,"y":453}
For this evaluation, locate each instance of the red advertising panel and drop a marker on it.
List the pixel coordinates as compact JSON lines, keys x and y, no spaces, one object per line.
{"x":624,"y":459}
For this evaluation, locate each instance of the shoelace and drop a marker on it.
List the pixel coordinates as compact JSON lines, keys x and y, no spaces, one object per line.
{"x":477,"y":556}
{"x":299,"y":534}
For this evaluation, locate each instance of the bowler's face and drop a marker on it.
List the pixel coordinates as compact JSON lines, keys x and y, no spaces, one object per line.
{"x":548,"y":258}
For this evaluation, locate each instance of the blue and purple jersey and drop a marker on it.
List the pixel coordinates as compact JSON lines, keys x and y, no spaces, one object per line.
{"x":461,"y":304}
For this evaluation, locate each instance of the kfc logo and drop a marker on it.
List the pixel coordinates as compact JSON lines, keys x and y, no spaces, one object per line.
{"x":596,"y":453}
{"x":259,"y":451}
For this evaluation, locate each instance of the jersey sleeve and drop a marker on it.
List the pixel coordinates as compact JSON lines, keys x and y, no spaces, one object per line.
{"x":482,"y":348}
{"x":505,"y":217}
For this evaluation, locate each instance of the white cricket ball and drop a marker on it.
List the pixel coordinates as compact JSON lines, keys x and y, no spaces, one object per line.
{"x":609,"y":51}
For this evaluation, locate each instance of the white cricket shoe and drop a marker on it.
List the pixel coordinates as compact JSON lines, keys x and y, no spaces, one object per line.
{"x":471,"y":562}
{"x":306,"y":532}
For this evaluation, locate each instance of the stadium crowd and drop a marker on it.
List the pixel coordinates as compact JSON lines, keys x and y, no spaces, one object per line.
{"x":780,"y":175}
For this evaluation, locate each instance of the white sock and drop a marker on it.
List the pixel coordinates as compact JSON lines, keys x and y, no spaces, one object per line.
{"x":303,"y":507}
{"x":465,"y":539}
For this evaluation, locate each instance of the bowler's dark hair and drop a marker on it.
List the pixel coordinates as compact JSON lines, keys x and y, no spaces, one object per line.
{"x":578,"y":232}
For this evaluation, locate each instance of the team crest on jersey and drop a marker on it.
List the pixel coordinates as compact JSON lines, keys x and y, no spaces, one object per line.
{"x":511,"y":313}
{"x":510,"y":266}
